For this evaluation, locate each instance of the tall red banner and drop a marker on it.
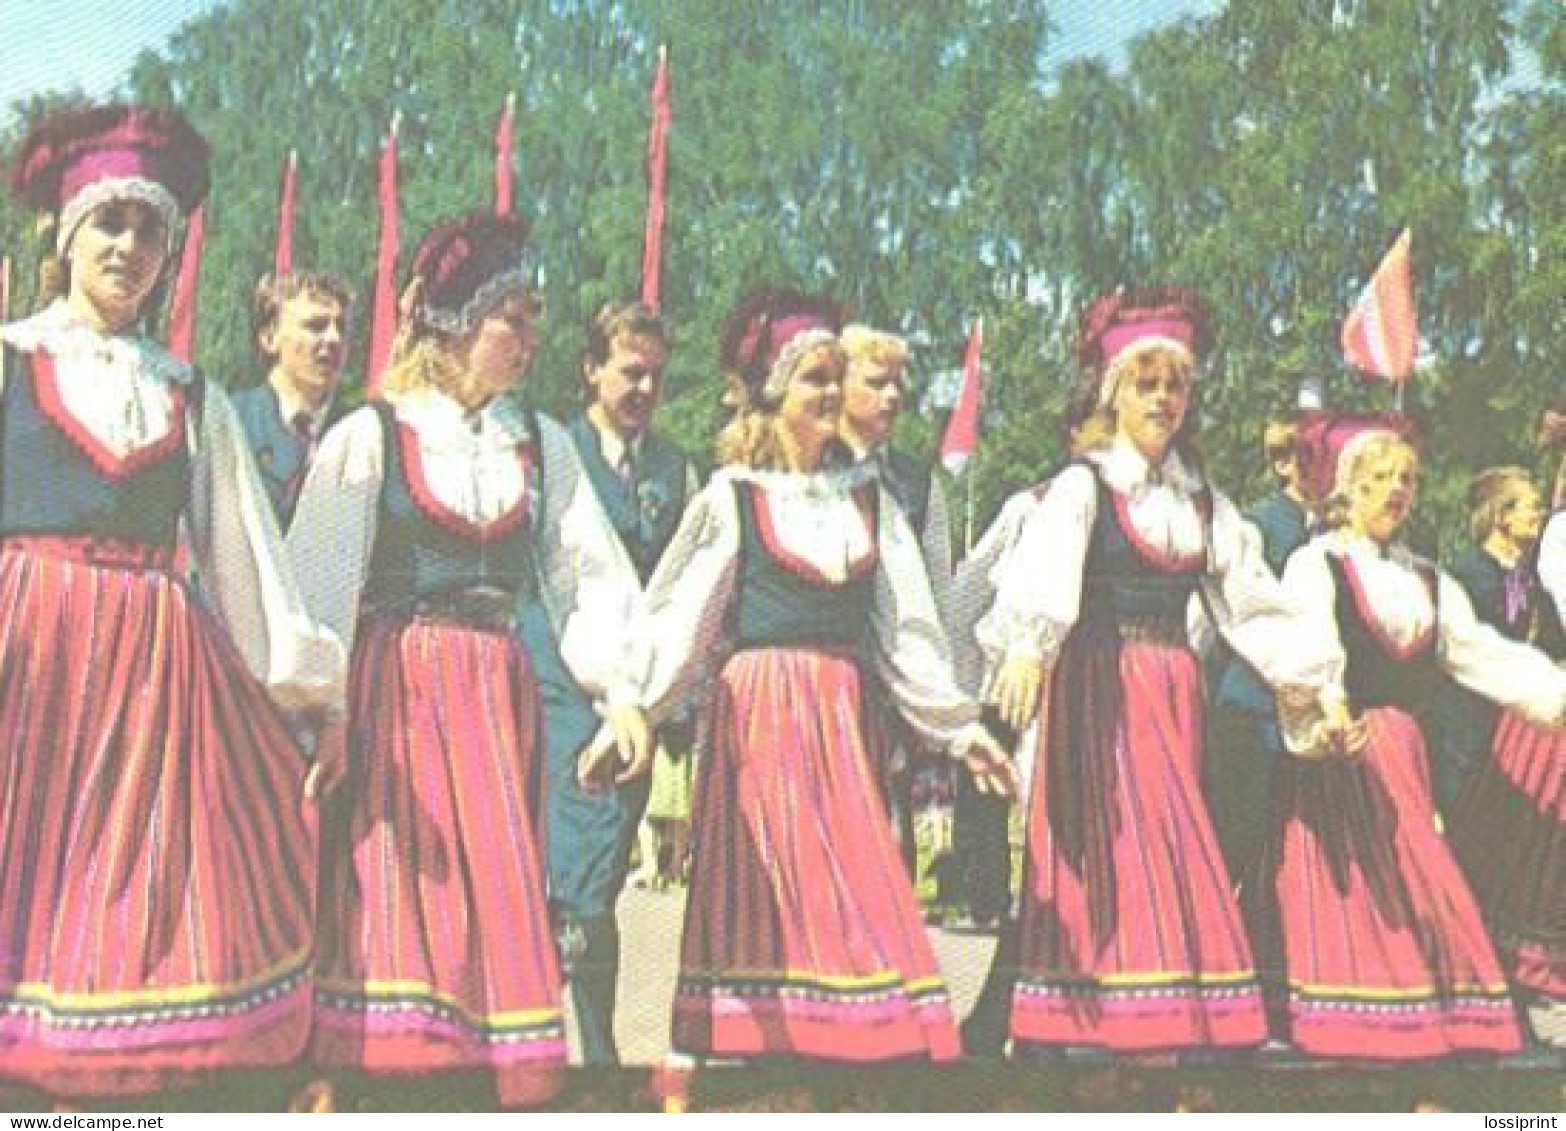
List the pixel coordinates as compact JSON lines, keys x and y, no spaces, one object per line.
{"x":962,"y":430}
{"x":657,"y":160}
{"x":505,"y":190}
{"x":182,"y":314}
{"x":283,"y":262}
{"x":383,"y":315}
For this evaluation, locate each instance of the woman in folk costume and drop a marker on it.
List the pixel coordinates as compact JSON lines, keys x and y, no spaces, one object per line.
{"x":156,"y":858}
{"x":1129,"y":937}
{"x":802,"y":934}
{"x":423,"y":521}
{"x":1508,"y":825}
{"x":1385,"y":952}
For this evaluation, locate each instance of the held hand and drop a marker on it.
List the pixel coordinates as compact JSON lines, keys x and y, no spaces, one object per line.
{"x":331,"y":761}
{"x":634,"y":741}
{"x":1348,"y":735}
{"x":1017,"y":688}
{"x":992,"y":770}
{"x":624,"y":734}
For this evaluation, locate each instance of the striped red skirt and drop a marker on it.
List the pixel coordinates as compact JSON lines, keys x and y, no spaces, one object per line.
{"x":1386,"y":954}
{"x":156,"y":857}
{"x":435,"y":947}
{"x":802,"y":934}
{"x":1509,"y":830}
{"x":1129,"y":934}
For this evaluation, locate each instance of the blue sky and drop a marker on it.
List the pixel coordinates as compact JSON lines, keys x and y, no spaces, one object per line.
{"x":52,"y":44}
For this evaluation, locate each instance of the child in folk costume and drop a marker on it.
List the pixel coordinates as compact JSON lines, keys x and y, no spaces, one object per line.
{"x":1385,"y":952}
{"x":802,"y":934}
{"x":423,"y":521}
{"x":1129,"y":937}
{"x":156,"y":860}
{"x":1508,"y":825}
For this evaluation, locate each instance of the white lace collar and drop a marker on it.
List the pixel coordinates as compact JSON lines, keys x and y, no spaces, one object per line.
{"x":1129,"y":472}
{"x":443,"y":423}
{"x":1350,"y":542}
{"x":64,"y":334}
{"x":828,"y":483}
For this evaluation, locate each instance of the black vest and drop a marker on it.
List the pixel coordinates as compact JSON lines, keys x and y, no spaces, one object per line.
{"x":1120,"y":585}
{"x":50,"y":485}
{"x":1376,"y":676}
{"x":780,"y":605}
{"x":421,"y":552}
{"x":909,"y":481}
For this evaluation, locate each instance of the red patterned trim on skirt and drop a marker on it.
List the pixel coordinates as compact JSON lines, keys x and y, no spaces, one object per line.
{"x":435,"y":944}
{"x":802,"y":934}
{"x":157,"y":860}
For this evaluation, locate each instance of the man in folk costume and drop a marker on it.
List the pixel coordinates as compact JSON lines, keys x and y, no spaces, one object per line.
{"x":301,"y":326}
{"x":874,"y":387}
{"x":1238,"y":786}
{"x":642,"y":481}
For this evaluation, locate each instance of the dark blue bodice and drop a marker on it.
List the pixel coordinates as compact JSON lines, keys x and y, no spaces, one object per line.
{"x":422,"y":550}
{"x":55,"y":479}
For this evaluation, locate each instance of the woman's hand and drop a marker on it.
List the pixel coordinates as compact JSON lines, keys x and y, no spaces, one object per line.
{"x":331,"y":761}
{"x":990,"y":766}
{"x":1017,"y":688}
{"x":624,"y":733}
{"x":1347,"y":734}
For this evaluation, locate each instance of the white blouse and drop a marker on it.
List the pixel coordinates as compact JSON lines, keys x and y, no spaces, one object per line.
{"x":1038,"y":585}
{"x":1552,"y":559}
{"x":122,"y":391}
{"x":469,"y":461}
{"x":816,"y":519}
{"x":1506,"y":671}
{"x":972,"y":590}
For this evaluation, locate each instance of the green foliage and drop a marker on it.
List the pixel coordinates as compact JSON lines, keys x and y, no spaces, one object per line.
{"x":920,"y":162}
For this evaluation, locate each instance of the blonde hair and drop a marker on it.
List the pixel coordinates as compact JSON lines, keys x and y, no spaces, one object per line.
{"x":1352,"y":460}
{"x":1491,"y":492}
{"x":750,"y":439}
{"x":421,"y":359}
{"x":867,"y":346}
{"x":1093,"y":422}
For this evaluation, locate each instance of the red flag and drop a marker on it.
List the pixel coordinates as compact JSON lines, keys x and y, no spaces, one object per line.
{"x":657,"y":157}
{"x":383,"y":318}
{"x":1380,"y":334}
{"x":182,"y":316}
{"x":505,"y":194}
{"x":284,"y":262}
{"x":5,"y":288}
{"x":962,"y":430}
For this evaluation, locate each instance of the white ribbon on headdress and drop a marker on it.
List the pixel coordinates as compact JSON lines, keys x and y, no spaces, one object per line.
{"x":106,"y":190}
{"x":489,"y":296}
{"x":789,"y":356}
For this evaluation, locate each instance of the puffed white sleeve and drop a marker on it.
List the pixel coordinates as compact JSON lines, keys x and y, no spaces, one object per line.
{"x":1308,"y":585}
{"x":935,"y":540}
{"x":332,"y":536}
{"x":244,"y":569}
{"x":1509,"y":672}
{"x":1038,"y":584}
{"x":1552,"y":560}
{"x":910,"y":651}
{"x":1257,"y":614}
{"x":972,"y":589}
{"x":681,"y":619}
{"x":589,"y":584}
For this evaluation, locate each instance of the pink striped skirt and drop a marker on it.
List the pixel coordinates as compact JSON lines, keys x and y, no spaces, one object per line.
{"x":436,"y":952}
{"x":1509,"y":830}
{"x":1386,"y":954}
{"x":1133,"y":940}
{"x":156,"y":857}
{"x":802,"y":934}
